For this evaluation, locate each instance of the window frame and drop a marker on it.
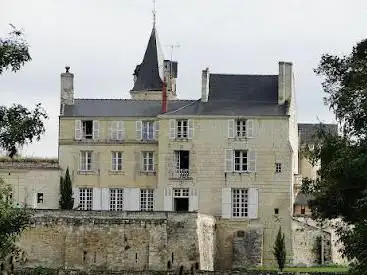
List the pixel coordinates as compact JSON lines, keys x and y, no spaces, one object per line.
{"x":241,"y":128}
{"x":147,"y":156}
{"x":243,"y":155}
{"x":278,"y":167}
{"x":116,"y":199}
{"x":182,"y":129}
{"x":86,"y":198}
{"x":239,"y":211}
{"x":115,"y":159}
{"x":148,"y":130}
{"x":84,"y":163}
{"x":147,"y":200}
{"x":39,"y":200}
{"x":84,"y":129}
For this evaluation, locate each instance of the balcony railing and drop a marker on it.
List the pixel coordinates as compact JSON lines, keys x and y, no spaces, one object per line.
{"x":180,"y":174}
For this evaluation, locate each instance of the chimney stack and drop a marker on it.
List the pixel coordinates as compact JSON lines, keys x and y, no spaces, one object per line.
{"x":67,"y":87}
{"x":285,"y":82}
{"x":164,"y":96}
{"x":205,"y":85}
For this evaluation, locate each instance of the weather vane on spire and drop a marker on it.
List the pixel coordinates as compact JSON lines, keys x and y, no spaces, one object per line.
{"x":154,"y":13}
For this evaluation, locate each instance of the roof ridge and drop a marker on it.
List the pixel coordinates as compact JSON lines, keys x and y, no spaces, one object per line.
{"x":129,"y":99}
{"x":244,"y":74}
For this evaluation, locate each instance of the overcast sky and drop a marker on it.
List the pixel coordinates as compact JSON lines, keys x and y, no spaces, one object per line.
{"x":103,"y":41}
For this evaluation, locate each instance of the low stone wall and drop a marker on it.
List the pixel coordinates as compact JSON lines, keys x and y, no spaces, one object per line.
{"x":76,"y":272}
{"x":115,"y":241}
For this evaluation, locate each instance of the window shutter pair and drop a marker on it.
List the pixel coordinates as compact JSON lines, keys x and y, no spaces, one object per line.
{"x":78,"y":129}
{"x":139,"y":130}
{"x":229,"y":160}
{"x":253,"y":203}
{"x":250,"y":131}
{"x":116,"y":130}
{"x":172,"y":132}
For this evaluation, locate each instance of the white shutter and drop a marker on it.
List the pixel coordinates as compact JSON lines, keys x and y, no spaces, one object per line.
{"x":76,"y":197}
{"x":131,"y":199}
{"x":95,"y":129}
{"x":78,"y":129}
{"x":168,"y":199}
{"x":96,"y":203}
{"x":172,"y":129}
{"x":253,"y":203}
{"x":139,"y":130}
{"x":120,"y":130}
{"x":193,"y":200}
{"x":226,"y":203}
{"x":250,"y":131}
{"x":251,"y":155}
{"x":113,"y":130}
{"x":105,"y":199}
{"x":229,"y":160}
{"x":156,"y":130}
{"x":190,"y":132}
{"x":230,"y":128}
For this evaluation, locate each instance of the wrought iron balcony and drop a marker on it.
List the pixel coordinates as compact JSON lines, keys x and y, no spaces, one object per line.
{"x":180,"y":174}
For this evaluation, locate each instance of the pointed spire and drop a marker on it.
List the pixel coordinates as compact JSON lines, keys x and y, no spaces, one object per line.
{"x":154,"y":14}
{"x":149,"y":74}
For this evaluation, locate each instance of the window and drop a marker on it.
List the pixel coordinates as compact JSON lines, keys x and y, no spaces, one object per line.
{"x":241,"y":128}
{"x":148,"y":162}
{"x":85,"y":198}
{"x":303,"y":210}
{"x":87,"y":128}
{"x":116,"y":161}
{"x":39,"y":197}
{"x":182,"y":163}
{"x":276,"y":211}
{"x":116,"y":199}
{"x":278,"y":167}
{"x":146,"y":199}
{"x":148,"y":130}
{"x":182,"y":128}
{"x":116,"y":130}
{"x":181,"y":199}
{"x":86,"y":161}
{"x":239,"y":203}
{"x":240,"y":160}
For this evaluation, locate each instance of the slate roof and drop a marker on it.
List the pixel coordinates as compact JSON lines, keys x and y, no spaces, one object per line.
{"x":302,"y":199}
{"x":120,"y":107}
{"x":308,"y":131}
{"x":149,"y":77}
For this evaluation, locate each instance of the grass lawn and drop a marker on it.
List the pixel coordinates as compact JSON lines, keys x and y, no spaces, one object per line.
{"x":308,"y":269}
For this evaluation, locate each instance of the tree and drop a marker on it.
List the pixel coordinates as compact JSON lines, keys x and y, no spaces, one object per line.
{"x":20,"y":126}
{"x":279,"y":249}
{"x":66,"y":192}
{"x":12,"y":222}
{"x":340,"y":190}
{"x":14,"y":51}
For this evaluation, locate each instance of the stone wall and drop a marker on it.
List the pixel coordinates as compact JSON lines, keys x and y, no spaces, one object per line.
{"x":136,"y":241}
{"x":304,"y":240}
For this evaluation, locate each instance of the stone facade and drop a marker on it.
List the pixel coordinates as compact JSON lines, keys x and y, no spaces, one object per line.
{"x":34,"y":182}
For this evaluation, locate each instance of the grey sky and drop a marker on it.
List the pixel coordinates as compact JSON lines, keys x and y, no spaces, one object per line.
{"x":103,"y":41}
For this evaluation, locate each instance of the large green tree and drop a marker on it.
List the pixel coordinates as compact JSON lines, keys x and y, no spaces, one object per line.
{"x":14,"y":51}
{"x":18,"y":126}
{"x":340,"y":191}
{"x":12,"y":221}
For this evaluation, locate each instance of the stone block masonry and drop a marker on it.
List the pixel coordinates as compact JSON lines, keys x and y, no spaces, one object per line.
{"x":116,"y":241}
